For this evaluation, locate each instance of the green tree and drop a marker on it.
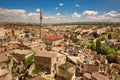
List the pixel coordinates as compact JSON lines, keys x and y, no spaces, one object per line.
{"x":110,"y":52}
{"x":95,"y":35}
{"x":107,"y":50}
{"x":109,"y":36}
{"x":98,"y":46}
{"x":103,"y":38}
{"x":111,"y":58}
{"x":66,"y":37}
{"x":93,"y":47}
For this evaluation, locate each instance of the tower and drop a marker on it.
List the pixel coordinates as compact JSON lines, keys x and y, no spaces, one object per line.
{"x":41,"y":17}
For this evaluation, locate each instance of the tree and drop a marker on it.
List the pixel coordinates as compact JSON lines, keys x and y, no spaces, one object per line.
{"x":93,"y":47}
{"x":98,"y":46}
{"x":103,"y":38}
{"x":13,"y":32}
{"x":110,"y":52}
{"x":66,"y":37}
{"x":111,"y":58}
{"x":95,"y":35}
{"x":73,"y":38}
{"x":107,"y":50}
{"x":109,"y":36}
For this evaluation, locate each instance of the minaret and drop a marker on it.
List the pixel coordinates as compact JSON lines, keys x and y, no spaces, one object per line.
{"x":41,"y":23}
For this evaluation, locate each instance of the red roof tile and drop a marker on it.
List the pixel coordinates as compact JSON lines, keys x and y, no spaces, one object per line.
{"x":61,"y":45}
{"x":2,"y":26}
{"x":52,"y":37}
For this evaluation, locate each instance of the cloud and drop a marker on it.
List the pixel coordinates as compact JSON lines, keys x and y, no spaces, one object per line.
{"x":37,"y":10}
{"x":77,"y":5}
{"x":55,"y":19}
{"x":16,"y":12}
{"x":50,"y":17}
{"x":21,"y":15}
{"x":56,"y":8}
{"x":61,"y":4}
{"x":113,"y":16}
{"x":90,"y":13}
{"x":12,"y":15}
{"x":33,"y":17}
{"x":17,"y":15}
{"x":58,"y":14}
{"x":76,"y":15}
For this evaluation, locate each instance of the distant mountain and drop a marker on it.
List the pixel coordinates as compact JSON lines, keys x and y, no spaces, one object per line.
{"x":37,"y":24}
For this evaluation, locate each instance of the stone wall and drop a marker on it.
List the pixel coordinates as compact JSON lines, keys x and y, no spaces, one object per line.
{"x":19,"y":57}
{"x":43,"y":62}
{"x":90,"y":68}
{"x":118,"y":59}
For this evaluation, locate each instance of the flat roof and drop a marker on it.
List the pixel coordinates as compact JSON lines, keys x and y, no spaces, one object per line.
{"x":81,"y":60}
{"x":19,"y":51}
{"x":99,"y":76}
{"x":3,"y":57}
{"x":46,"y":54}
{"x":86,"y":61}
{"x":87,"y":75}
{"x":15,"y":42}
{"x":58,"y":54}
{"x":3,"y":72}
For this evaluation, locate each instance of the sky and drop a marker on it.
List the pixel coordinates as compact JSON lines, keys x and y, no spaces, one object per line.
{"x":60,"y":11}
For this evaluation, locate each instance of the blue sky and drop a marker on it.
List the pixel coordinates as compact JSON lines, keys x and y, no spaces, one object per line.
{"x":61,"y":10}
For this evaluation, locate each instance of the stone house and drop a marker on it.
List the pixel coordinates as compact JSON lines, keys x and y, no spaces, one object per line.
{"x":46,"y":61}
{"x":24,"y":33}
{"x":52,"y":40}
{"x":86,"y":66}
{"x":19,"y":54}
{"x":114,"y":68}
{"x":13,"y":45}
{"x":111,"y":42}
{"x":50,"y":61}
{"x":61,"y":59}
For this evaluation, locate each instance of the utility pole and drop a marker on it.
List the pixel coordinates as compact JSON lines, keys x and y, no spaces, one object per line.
{"x":41,"y":17}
